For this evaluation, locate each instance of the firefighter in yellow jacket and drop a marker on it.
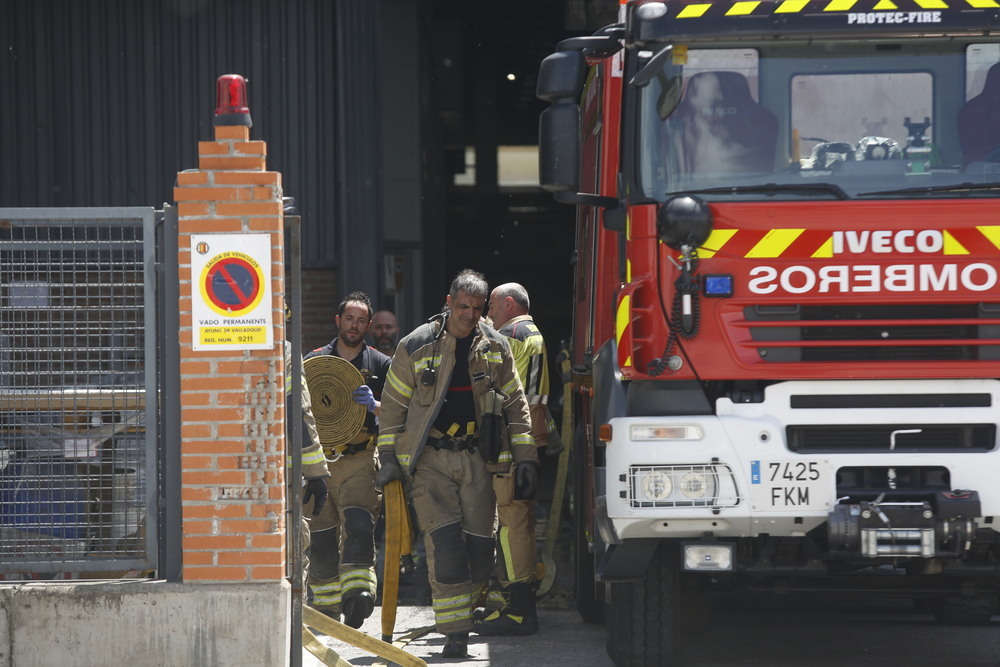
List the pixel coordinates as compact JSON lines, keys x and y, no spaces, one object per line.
{"x":514,"y":612}
{"x":453,"y":413}
{"x":314,"y":469}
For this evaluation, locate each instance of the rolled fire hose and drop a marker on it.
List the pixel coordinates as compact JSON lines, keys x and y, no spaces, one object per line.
{"x":331,"y":381}
{"x":328,"y":626}
{"x":398,"y":538}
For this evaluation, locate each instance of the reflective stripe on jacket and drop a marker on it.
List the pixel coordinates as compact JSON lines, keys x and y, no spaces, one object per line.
{"x":409,"y":406}
{"x":313,"y":460}
{"x":532,"y":363}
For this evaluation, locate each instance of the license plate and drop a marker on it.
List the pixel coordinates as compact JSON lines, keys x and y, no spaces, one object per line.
{"x":789,"y":485}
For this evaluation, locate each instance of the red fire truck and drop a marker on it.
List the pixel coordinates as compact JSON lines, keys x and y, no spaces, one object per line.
{"x":786,"y":339}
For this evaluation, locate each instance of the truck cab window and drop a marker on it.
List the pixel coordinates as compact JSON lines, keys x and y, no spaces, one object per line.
{"x":854,"y":117}
{"x":790,"y":120}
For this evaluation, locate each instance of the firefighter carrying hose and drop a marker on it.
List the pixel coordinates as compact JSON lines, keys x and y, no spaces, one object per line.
{"x":342,"y":550}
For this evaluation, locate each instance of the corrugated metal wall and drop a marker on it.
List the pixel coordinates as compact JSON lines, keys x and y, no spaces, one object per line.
{"x":103,"y":101}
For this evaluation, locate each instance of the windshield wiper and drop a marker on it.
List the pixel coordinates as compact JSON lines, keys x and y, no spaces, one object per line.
{"x":927,"y":189}
{"x":772,"y":189}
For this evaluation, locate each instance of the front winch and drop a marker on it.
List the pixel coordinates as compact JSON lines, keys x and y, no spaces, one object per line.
{"x":906,"y":529}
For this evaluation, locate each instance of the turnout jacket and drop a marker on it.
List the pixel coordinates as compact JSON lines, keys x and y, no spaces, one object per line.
{"x":313,"y":460}
{"x":409,"y":407}
{"x":531,"y":361}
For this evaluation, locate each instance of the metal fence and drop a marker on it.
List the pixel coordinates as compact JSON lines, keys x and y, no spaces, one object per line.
{"x":78,"y":388}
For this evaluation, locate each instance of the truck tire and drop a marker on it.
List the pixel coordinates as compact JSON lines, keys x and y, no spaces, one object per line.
{"x":964,"y":610}
{"x":590,"y":608}
{"x":643,"y":619}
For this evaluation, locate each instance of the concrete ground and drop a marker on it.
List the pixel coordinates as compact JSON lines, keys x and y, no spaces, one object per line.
{"x":563,"y":638}
{"x":560,"y":625}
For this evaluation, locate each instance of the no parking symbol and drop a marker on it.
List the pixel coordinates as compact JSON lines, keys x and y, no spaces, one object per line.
{"x":232,"y":276}
{"x":231,"y":283}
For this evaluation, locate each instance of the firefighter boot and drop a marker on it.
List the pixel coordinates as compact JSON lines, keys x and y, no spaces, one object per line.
{"x":518,"y":618}
{"x":456,"y":646}
{"x":357,"y":608}
{"x":492,"y":600}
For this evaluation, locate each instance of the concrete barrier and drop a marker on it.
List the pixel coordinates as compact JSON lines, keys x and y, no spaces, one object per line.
{"x":141,"y":623}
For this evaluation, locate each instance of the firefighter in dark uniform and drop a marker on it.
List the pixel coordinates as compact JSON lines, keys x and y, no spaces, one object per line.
{"x":342,"y":553}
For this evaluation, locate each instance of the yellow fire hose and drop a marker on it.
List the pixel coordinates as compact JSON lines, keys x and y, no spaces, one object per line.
{"x":324,"y":653}
{"x":398,"y":540}
{"x":405,"y":639}
{"x":559,"y":491}
{"x":398,"y":537}
{"x":336,"y":629}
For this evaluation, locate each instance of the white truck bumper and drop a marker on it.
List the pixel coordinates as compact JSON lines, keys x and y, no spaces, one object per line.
{"x":735,"y":474}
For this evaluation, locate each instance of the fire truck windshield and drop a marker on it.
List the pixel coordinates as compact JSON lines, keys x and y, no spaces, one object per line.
{"x":844,"y":119}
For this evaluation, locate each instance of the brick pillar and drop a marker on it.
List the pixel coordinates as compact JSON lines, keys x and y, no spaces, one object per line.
{"x":232,"y":402}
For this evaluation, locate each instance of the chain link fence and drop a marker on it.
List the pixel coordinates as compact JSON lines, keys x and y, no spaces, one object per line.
{"x":77,"y":382}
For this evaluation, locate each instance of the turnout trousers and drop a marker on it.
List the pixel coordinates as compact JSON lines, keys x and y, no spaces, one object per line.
{"x":342,"y":553}
{"x":516,"y":540}
{"x":452,"y":494}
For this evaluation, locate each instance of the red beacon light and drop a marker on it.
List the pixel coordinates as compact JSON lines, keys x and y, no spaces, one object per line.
{"x":231,"y":101}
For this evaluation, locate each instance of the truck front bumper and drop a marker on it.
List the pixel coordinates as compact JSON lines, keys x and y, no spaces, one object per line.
{"x":735,"y":474}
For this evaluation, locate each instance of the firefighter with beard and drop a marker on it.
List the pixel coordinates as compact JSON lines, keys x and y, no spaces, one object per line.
{"x":384,"y":331}
{"x":453,"y":413}
{"x":342,"y":553}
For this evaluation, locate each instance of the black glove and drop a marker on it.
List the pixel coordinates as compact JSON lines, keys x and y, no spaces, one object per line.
{"x":525,"y":480}
{"x":390,"y":469}
{"x":316,"y":489}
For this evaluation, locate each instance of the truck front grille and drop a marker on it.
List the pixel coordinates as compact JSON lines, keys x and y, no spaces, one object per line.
{"x":879,"y":438}
{"x":869,"y":333}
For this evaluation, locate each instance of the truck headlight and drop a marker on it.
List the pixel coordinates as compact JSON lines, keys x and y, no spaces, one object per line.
{"x":657,"y":485}
{"x":681,"y":486}
{"x":695,"y":485}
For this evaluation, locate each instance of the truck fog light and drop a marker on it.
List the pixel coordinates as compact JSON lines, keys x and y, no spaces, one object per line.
{"x":657,"y":485}
{"x":718,"y":557}
{"x":695,"y":485}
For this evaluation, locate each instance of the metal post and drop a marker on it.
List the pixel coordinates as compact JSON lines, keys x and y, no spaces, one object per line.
{"x":171,"y":553}
{"x":294,"y":446}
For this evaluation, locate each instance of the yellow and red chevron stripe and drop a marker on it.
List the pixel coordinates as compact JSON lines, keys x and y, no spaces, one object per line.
{"x":694,"y":10}
{"x":794,"y":243}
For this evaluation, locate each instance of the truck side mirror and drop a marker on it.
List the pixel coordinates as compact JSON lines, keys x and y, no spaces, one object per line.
{"x":560,"y":82}
{"x":560,"y":77}
{"x":559,"y":148}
